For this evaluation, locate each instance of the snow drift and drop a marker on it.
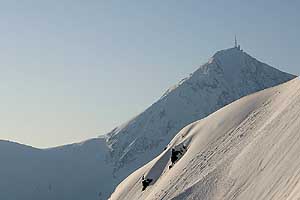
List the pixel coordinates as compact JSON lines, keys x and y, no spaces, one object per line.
{"x":246,"y":150}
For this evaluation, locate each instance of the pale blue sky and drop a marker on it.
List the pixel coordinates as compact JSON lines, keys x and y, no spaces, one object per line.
{"x":72,"y":70}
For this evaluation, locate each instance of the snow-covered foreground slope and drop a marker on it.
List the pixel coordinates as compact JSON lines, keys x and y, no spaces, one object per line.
{"x":246,"y":150}
{"x":92,"y":169}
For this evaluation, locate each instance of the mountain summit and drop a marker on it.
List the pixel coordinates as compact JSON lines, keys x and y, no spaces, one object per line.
{"x":91,"y":169}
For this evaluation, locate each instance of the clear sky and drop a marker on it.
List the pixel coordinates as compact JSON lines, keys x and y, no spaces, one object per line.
{"x":72,"y":70}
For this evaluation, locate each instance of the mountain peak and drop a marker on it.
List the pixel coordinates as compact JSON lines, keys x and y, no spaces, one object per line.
{"x":230,"y":52}
{"x":226,"y":61}
{"x":236,"y":66}
{"x":233,"y":58}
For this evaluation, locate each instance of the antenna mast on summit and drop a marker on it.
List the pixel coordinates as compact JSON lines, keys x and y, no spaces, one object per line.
{"x":235,"y":42}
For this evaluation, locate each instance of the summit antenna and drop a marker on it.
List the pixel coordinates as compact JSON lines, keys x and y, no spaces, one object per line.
{"x":235,"y":42}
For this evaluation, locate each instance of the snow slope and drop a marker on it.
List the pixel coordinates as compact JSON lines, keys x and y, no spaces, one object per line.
{"x":83,"y":171}
{"x":246,"y":150}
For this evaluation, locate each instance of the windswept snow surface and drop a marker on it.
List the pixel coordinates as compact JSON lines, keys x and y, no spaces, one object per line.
{"x":246,"y":150}
{"x":91,"y":170}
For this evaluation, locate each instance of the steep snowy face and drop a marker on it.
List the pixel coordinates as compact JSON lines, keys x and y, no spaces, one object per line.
{"x":229,"y":75}
{"x":246,"y":150}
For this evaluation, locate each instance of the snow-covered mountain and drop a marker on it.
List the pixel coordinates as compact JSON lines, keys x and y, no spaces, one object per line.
{"x":92,"y":169}
{"x":229,"y":75}
{"x":246,"y":150}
